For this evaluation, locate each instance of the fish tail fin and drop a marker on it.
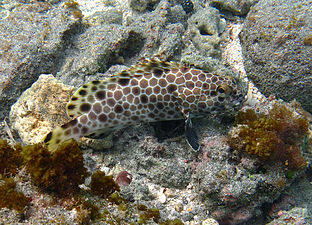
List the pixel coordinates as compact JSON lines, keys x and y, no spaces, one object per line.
{"x":60,"y":134}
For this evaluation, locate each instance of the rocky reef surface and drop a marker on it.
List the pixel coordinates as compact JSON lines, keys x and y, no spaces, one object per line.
{"x":50,"y":48}
{"x":277,"y":44}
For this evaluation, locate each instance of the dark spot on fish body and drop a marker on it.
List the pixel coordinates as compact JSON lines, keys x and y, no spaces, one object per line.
{"x":118,"y":95}
{"x":100,"y":95}
{"x":202,"y":105}
{"x":111,"y":102}
{"x":213,"y":93}
{"x":184,"y":69}
{"x":75,"y":130}
{"x":97,"y":108}
{"x":162,"y":115}
{"x":126,"y":105}
{"x":190,"y":84}
{"x":127,"y":113}
{"x":64,"y":126}
{"x":118,"y":109}
{"x":190,"y":98}
{"x":143,"y":98}
{"x":92,"y":116}
{"x":74,"y":98}
{"x":136,"y":90}
{"x":188,"y":76}
{"x":111,"y":115}
{"x":167,"y":98}
{"x":157,"y":72}
{"x":48,"y":137}
{"x":171,"y":88}
{"x":111,"y":87}
{"x":135,"y":118}
{"x":151,"y":115}
{"x":202,"y":77}
{"x":94,"y":88}
{"x":157,"y":90}
{"x":170,"y":78}
{"x":84,"y":130}
{"x":123,"y":81}
{"x":73,"y":122}
{"x":102,"y":118}
{"x":71,"y":107}
{"x":160,"y":105}
{"x":83,"y":119}
{"x":85,"y":107}
{"x":220,"y":99}
{"x":82,"y":92}
{"x":95,"y":82}
{"x":205,"y":86}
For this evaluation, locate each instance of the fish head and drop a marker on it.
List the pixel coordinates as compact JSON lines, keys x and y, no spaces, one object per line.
{"x":224,"y":96}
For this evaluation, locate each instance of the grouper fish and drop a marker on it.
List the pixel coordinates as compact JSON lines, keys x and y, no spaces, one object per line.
{"x":153,"y":90}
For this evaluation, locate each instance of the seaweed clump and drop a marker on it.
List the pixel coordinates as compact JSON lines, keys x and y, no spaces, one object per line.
{"x":61,"y":171}
{"x":274,"y":136}
{"x":152,"y":213}
{"x":74,"y":7}
{"x":102,"y":185}
{"x":10,"y":159}
{"x":11,"y":198}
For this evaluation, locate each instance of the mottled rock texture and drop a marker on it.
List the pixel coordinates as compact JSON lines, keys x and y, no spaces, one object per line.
{"x":32,"y":39}
{"x":277,"y":44}
{"x":236,"y":7}
{"x":40,"y":108}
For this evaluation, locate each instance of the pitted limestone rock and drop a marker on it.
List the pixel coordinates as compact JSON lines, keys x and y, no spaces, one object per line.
{"x":205,"y":27}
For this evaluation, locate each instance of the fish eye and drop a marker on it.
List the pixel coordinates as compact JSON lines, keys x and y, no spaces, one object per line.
{"x":224,"y":90}
{"x":220,"y":89}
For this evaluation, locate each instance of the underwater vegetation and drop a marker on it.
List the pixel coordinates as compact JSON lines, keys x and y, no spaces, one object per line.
{"x":103,"y":185}
{"x":61,"y":171}
{"x":271,"y":137}
{"x":10,"y":159}
{"x":10,"y":197}
{"x":74,"y":7}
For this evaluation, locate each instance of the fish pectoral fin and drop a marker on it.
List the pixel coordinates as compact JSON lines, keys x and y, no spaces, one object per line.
{"x":191,"y":135}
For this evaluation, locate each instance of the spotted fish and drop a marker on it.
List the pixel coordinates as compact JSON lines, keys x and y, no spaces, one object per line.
{"x":153,"y":90}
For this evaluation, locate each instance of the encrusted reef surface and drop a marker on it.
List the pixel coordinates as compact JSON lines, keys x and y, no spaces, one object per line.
{"x":252,"y":169}
{"x":277,"y":44}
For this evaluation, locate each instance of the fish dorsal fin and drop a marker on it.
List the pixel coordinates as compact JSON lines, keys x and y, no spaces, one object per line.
{"x":94,"y":91}
{"x":145,"y":65}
